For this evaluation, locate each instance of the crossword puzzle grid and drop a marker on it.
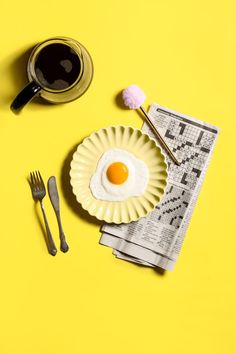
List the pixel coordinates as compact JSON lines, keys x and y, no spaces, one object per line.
{"x":173,"y":206}
{"x":191,"y":146}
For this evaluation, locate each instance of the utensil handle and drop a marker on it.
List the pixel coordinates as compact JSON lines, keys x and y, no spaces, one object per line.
{"x":64,"y":246}
{"x":51,"y":245}
{"x":160,"y":137}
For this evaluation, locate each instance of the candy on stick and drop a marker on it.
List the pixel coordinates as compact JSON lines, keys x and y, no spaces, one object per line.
{"x":133,"y":98}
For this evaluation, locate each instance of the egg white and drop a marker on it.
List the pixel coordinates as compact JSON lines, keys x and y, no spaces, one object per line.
{"x":134,"y":186}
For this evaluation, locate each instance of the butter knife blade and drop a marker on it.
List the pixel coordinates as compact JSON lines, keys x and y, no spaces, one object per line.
{"x":53,"y":193}
{"x":54,"y":197}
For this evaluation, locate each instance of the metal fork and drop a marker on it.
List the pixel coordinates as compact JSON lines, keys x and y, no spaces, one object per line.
{"x":39,"y":191}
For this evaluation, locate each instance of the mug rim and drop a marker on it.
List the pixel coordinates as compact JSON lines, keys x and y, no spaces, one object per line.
{"x":34,"y":54}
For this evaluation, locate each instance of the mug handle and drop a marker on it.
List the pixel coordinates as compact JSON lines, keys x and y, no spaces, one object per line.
{"x":25,"y":96}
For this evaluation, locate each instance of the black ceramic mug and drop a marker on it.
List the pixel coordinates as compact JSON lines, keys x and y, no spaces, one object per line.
{"x":59,"y":70}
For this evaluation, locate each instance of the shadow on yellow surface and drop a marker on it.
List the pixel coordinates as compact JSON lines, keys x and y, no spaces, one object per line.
{"x":16,"y":73}
{"x":119,"y":101}
{"x":18,"y":69}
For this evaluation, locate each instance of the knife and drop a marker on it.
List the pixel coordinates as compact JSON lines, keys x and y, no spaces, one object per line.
{"x":54,"y":197}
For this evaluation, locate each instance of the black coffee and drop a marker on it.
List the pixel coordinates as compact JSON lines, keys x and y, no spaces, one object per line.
{"x":57,"y":66}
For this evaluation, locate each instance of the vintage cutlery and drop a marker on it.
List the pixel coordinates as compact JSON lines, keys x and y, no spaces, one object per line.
{"x":39,"y":191}
{"x":54,"y":197}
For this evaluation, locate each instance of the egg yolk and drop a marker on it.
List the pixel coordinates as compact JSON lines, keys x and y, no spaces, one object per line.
{"x":117,"y":173}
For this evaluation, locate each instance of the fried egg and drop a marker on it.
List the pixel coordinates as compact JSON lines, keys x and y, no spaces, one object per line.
{"x":119,"y":175}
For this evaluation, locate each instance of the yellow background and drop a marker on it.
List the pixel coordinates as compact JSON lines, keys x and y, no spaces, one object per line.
{"x":182,"y":53}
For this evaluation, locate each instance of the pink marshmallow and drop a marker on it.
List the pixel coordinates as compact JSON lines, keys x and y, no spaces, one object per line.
{"x":133,"y":97}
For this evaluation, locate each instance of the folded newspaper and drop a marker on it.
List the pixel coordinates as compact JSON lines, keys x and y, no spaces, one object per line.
{"x":156,"y":240}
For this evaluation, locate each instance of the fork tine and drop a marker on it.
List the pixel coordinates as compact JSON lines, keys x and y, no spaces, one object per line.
{"x":35,"y":180}
{"x":32,"y":182}
{"x":31,"y":179}
{"x":37,"y":183}
{"x":41,"y":179}
{"x":33,"y":185}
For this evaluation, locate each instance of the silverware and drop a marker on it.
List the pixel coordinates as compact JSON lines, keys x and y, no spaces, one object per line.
{"x":54,"y":197}
{"x":39,"y":191}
